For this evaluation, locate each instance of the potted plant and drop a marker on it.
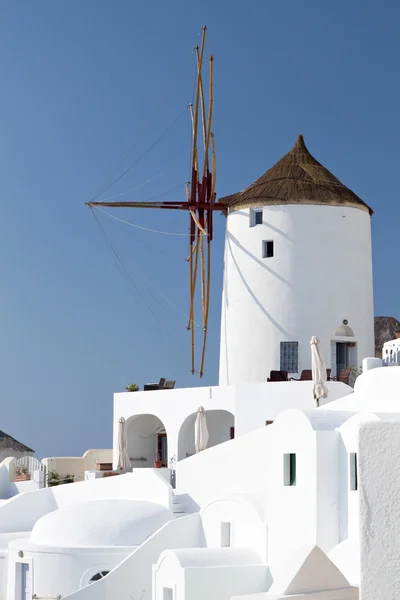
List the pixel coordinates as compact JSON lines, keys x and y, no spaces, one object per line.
{"x":22,"y":474}
{"x":69,"y":478}
{"x":53,"y":478}
{"x":132,"y":387}
{"x":157,"y":462}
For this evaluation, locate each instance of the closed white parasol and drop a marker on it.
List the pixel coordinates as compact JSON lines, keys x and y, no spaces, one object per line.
{"x":200,"y":430}
{"x":318,"y":370}
{"x":123,"y":457}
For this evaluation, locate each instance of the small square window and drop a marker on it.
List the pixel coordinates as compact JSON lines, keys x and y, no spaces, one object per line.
{"x":267,"y":249}
{"x":290,"y":357}
{"x":256,"y":217}
{"x":289,"y":469}
{"x":225,"y":534}
{"x":353,"y":471}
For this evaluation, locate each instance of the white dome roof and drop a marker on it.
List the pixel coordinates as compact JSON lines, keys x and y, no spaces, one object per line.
{"x":99,"y":523}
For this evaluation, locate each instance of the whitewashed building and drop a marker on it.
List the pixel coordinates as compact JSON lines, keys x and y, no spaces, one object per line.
{"x":297,"y":247}
{"x":270,"y":509}
{"x":274,"y":511}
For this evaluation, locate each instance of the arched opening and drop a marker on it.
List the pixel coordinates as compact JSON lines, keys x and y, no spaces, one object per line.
{"x":220,"y":425}
{"x":147,"y":440}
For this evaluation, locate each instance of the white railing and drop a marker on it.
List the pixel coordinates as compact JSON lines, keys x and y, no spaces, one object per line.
{"x":30,"y":463}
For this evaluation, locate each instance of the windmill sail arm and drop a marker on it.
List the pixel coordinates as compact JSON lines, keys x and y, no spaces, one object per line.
{"x":165,"y":205}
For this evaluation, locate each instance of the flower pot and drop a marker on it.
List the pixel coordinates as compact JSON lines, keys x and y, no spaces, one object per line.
{"x":157,"y":464}
{"x":23,"y":477}
{"x":104,"y":466}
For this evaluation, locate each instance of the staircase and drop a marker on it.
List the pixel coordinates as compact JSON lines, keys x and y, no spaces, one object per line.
{"x":181,"y":505}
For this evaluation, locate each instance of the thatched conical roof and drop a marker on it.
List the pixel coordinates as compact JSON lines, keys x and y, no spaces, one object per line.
{"x":297,"y":178}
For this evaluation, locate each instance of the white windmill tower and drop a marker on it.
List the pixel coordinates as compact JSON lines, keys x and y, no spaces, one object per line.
{"x":298,"y":263}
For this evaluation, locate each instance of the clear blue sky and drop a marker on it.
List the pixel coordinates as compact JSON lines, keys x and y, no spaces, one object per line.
{"x":81,"y":82}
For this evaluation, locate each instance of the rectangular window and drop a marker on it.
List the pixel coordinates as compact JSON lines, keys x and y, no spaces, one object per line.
{"x":267,"y":249}
{"x":289,"y":469}
{"x":256,"y":217}
{"x":290,"y":357}
{"x":232,"y":433}
{"x":353,"y":471}
{"x":168,"y":594}
{"x":225,"y":535}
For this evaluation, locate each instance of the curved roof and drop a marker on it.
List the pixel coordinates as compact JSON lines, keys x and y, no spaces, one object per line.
{"x":375,"y":391}
{"x":297,"y":178}
{"x":100,"y":523}
{"x":317,"y":419}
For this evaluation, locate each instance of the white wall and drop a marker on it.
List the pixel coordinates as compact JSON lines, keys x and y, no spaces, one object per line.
{"x":60,"y":571}
{"x":77,"y":465}
{"x":142,"y":437}
{"x":308,"y":288}
{"x":256,"y":403}
{"x":221,"y":583}
{"x":253,"y":464}
{"x":379,"y":482}
{"x":248,"y":530}
{"x":167,"y":573}
{"x":133,"y":577}
{"x":9,"y":487}
{"x":328,"y":503}
{"x":252,"y":404}
{"x":291,"y":510}
{"x":211,"y":574}
{"x":375,"y":390}
{"x":21,"y":512}
{"x":349,"y":499}
{"x":237,"y":466}
{"x":172,"y":407}
{"x":4,"y":541}
{"x":219,"y":423}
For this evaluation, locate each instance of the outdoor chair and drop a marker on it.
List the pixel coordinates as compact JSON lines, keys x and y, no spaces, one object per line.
{"x":278,"y":376}
{"x":306,"y":375}
{"x":344,"y":376}
{"x":169,"y":384}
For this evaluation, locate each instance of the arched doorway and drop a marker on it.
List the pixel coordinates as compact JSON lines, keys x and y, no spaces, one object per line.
{"x":147,"y":439}
{"x":220,"y":425}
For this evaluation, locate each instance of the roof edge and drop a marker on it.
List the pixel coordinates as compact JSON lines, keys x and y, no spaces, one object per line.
{"x":274,"y":202}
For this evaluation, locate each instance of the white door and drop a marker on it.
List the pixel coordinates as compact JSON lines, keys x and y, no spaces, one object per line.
{"x":25,"y":595}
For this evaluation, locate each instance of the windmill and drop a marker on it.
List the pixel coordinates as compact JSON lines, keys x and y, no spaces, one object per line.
{"x":200,"y":202}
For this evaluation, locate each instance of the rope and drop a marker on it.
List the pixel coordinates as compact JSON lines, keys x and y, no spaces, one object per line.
{"x":131,"y":149}
{"x":136,"y":268}
{"x":145,"y":182}
{"x":126,"y":275}
{"x":142,"y":155}
{"x":139,"y":226}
